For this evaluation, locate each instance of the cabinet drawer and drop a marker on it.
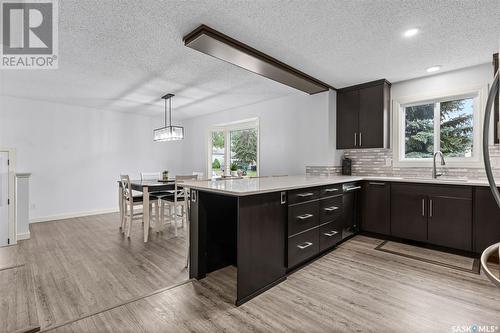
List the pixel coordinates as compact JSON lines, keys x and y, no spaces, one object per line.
{"x":330,"y":209}
{"x":329,"y":235}
{"x":302,"y":217}
{"x":329,"y":190}
{"x":303,"y":246}
{"x":303,"y":195}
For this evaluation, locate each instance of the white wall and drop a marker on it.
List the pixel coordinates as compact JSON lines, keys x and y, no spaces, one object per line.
{"x":75,"y":155}
{"x":295,"y":131}
{"x":470,"y":77}
{"x":476,"y":77}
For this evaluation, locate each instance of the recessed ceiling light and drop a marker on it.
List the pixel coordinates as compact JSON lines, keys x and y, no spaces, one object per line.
{"x":410,"y":32}
{"x":433,"y":69}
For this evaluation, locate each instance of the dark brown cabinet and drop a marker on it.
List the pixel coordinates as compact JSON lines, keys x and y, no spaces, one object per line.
{"x":486,"y":219}
{"x":375,"y":214}
{"x":363,"y":116}
{"x":450,"y":217}
{"x":408,"y":211}
{"x":317,"y":220}
{"x":439,"y":215}
{"x":347,"y":119}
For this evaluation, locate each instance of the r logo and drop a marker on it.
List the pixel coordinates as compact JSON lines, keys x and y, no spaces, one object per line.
{"x":27,"y":28}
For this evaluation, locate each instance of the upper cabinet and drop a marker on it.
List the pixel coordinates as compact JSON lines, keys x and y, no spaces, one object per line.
{"x":363,"y":115}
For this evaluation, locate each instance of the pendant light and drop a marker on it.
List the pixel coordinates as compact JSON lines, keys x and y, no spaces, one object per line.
{"x":168,"y":133}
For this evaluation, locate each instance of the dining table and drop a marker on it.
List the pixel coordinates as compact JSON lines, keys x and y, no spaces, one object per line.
{"x":147,"y":187}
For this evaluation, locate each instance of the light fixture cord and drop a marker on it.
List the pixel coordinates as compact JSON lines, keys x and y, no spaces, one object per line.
{"x":170,"y":103}
{"x":165,"y":113}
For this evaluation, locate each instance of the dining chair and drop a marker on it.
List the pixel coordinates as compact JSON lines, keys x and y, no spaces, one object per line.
{"x":129,"y":202}
{"x":176,"y":203}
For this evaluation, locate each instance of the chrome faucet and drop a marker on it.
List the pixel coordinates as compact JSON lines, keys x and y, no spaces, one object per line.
{"x":434,"y":173}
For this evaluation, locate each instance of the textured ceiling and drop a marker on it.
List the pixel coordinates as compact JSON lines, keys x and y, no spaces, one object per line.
{"x":124,"y":55}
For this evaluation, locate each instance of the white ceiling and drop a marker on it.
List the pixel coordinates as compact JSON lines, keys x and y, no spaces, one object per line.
{"x":124,"y":55}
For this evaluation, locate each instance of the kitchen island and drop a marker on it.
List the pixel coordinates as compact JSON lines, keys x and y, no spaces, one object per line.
{"x":269,"y":226}
{"x":266,"y":226}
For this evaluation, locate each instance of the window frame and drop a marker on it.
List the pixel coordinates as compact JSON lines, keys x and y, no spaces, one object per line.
{"x":252,"y":123}
{"x":399,"y":122}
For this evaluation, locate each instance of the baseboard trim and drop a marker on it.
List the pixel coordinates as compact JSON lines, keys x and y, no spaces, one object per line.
{"x":73,"y":215}
{"x":25,"y":235}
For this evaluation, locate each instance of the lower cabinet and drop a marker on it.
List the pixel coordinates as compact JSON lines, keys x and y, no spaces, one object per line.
{"x":486,"y":220}
{"x":450,"y":217}
{"x":408,"y":211}
{"x":303,"y":246}
{"x":376,"y":207}
{"x":329,"y":235}
{"x":314,"y":225}
{"x":436,"y":214}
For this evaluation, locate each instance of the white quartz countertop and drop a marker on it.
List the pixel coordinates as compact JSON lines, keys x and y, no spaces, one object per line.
{"x":249,"y":186}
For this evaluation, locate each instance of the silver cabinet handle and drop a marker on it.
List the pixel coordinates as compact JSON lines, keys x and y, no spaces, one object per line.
{"x":305,"y":216}
{"x":377,"y":183}
{"x":355,"y":139}
{"x":360,"y":139}
{"x":423,"y":207}
{"x":303,"y":195}
{"x":348,"y":189}
{"x":283,"y":198}
{"x":331,"y":189}
{"x":430,"y":208}
{"x":331,"y":233}
{"x":330,"y":209}
{"x":304,"y":245}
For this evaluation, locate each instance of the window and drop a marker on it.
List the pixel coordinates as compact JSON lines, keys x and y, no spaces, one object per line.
{"x":449,"y":124}
{"x":234,"y":149}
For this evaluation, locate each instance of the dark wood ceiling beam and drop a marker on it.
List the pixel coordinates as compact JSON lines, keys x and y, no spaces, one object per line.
{"x":220,"y":46}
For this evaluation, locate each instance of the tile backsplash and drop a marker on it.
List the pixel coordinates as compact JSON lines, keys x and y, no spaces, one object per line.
{"x":372,"y":162}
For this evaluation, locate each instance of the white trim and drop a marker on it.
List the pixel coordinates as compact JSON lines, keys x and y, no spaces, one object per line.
{"x":23,"y":236}
{"x":478,"y":92}
{"x":227,"y":128}
{"x":12,"y":194}
{"x":73,"y":215}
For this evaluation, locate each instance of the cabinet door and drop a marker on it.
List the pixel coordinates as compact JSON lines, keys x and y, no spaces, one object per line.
{"x":486,"y":220}
{"x":408,"y":212}
{"x":450,"y":217}
{"x":372,"y":116}
{"x":347,"y":119}
{"x":261,"y":242}
{"x":376,"y":207}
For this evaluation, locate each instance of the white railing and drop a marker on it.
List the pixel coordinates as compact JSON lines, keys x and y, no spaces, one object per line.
{"x":484,"y":263}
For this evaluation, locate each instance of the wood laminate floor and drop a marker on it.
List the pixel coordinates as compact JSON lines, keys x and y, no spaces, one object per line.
{"x":84,"y":265}
{"x":354,"y":288}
